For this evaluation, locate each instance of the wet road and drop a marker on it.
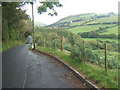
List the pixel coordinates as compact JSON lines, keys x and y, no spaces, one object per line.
{"x":14,"y":65}
{"x":24,"y":69}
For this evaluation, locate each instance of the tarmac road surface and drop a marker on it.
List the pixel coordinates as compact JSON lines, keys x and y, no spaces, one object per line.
{"x":22,"y":68}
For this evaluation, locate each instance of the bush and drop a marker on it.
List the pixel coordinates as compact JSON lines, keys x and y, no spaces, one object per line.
{"x":89,"y":51}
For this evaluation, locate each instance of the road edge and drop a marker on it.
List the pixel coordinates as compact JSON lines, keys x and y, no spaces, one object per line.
{"x":88,"y":83}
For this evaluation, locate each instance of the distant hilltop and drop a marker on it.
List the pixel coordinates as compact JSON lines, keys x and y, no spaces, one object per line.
{"x":86,"y":18}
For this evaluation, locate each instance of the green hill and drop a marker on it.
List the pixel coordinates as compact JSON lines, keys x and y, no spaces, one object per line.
{"x":104,"y":23}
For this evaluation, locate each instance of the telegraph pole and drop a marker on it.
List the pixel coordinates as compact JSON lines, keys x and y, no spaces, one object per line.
{"x":33,"y":27}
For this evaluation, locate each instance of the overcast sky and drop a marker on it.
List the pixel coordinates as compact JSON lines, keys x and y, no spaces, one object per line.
{"x":73,"y":7}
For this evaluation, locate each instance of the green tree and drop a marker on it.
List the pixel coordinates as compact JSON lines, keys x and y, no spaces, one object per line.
{"x":49,"y":5}
{"x":12,"y":15}
{"x":43,"y":8}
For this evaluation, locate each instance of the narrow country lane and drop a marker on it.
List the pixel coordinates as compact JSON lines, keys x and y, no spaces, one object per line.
{"x":25,"y":69}
{"x":14,"y":64}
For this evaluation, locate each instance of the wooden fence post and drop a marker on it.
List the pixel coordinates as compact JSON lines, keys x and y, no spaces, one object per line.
{"x":83,"y":52}
{"x":62,"y":43}
{"x":55,"y":44}
{"x":44,"y":42}
{"x":83,"y":41}
{"x":106,"y":67}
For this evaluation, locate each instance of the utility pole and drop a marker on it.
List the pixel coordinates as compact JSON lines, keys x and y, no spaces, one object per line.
{"x":33,"y":27}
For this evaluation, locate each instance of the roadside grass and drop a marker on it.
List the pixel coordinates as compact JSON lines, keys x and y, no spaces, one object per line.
{"x":0,"y":47}
{"x":9,"y":44}
{"x":94,"y":72}
{"x":99,"y":76}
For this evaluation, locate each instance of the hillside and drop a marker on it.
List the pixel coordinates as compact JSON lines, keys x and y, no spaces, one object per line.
{"x":104,"y":23}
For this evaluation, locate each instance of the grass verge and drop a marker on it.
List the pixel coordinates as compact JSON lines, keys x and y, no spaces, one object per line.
{"x":0,"y":47}
{"x":92,"y":71}
{"x":9,"y":44}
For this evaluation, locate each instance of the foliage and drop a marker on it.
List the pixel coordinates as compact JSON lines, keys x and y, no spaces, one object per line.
{"x":9,"y":44}
{"x":53,"y":38}
{"x":84,"y":51}
{"x":15,"y":24}
{"x":45,"y":5}
{"x":14,"y":21}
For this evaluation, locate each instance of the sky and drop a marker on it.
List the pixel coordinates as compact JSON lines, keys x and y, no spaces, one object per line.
{"x":73,"y":7}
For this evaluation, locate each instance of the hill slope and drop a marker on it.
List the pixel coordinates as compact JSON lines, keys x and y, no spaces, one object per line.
{"x":89,"y":22}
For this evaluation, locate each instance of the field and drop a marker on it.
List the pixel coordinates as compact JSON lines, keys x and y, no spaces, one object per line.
{"x":89,"y":28}
{"x":107,"y":19}
{"x":113,"y":30}
{"x":71,"y":18}
{"x":102,"y":39}
{"x":76,"y":23}
{"x":89,"y":22}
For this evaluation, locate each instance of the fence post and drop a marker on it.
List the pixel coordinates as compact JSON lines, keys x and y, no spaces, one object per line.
{"x":105,"y":45}
{"x":55,"y":44}
{"x":83,"y":41}
{"x":44,"y":42}
{"x":62,"y":43}
{"x":84,"y":52}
